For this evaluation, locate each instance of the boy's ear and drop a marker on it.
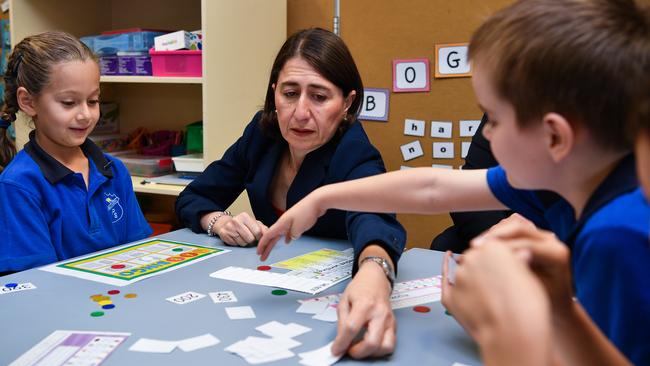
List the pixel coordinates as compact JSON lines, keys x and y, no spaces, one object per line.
{"x":560,"y":136}
{"x":26,"y":101}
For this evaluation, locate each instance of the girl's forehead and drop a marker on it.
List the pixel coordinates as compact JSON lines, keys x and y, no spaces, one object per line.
{"x":74,"y":75}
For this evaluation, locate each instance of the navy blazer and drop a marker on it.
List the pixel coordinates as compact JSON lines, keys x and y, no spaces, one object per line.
{"x":250,"y":164}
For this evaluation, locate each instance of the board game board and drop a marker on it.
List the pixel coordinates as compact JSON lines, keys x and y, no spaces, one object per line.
{"x":134,"y":262}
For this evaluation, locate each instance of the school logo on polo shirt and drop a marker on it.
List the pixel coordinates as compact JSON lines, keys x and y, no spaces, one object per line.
{"x":114,"y":208}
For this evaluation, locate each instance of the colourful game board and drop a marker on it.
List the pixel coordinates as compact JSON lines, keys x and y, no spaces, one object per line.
{"x":135,"y":262}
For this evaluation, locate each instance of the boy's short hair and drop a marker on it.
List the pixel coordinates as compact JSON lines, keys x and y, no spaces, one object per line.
{"x":587,"y":60}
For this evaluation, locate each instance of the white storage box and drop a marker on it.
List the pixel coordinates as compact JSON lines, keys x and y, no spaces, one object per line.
{"x":189,"y":163}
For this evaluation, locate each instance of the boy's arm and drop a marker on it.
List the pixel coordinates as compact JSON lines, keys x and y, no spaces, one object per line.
{"x":418,"y":190}
{"x":575,"y":336}
{"x":580,"y":342}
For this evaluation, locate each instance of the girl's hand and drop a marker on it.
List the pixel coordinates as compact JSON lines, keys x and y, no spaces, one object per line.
{"x":295,"y":221}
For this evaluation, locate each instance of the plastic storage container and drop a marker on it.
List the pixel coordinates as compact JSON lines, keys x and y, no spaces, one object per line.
{"x":147,"y":166}
{"x":123,"y":42}
{"x":188,"y":163}
{"x":176,"y":63}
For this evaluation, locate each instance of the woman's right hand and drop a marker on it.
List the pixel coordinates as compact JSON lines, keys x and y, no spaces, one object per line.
{"x":241,"y":229}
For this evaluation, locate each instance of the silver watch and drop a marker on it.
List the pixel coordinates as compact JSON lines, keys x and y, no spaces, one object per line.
{"x":385,"y":266}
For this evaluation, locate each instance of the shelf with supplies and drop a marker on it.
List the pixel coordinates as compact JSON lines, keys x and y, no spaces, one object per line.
{"x":145,"y":185}
{"x":151,"y":79}
{"x":239,"y":46}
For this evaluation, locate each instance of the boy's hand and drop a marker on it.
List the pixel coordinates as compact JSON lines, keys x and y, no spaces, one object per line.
{"x":365,"y":305}
{"x":241,"y":229}
{"x":547,"y":256}
{"x":295,"y":221}
{"x":501,"y":304}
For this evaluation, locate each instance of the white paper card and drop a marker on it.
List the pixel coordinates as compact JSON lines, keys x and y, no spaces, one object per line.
{"x":441,"y":129}
{"x":312,"y":307}
{"x":453,"y":60}
{"x":443,"y":150}
{"x":413,"y":127}
{"x":322,"y":356}
{"x":223,"y":296}
{"x":411,"y":150}
{"x":278,"y":330}
{"x":329,"y":315}
{"x":17,"y":288}
{"x":240,"y":312}
{"x":442,"y":166}
{"x":467,"y":128}
{"x":464,"y":149}
{"x":185,"y":298}
{"x":153,"y":346}
{"x":194,"y":343}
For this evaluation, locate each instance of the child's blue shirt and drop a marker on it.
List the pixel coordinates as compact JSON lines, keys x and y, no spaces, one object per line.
{"x":48,"y":215}
{"x":610,"y":252}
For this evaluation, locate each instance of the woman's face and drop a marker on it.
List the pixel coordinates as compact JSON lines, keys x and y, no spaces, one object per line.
{"x":309,"y":107}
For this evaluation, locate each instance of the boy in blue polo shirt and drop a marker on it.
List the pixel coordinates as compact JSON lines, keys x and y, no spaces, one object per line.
{"x":60,"y":197}
{"x":559,"y":81}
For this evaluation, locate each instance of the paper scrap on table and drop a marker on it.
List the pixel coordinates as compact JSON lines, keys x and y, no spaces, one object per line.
{"x":194,"y":343}
{"x":319,"y":357}
{"x":72,"y":347}
{"x":459,"y":364}
{"x":240,"y":312}
{"x":329,"y":315}
{"x":256,"y":350}
{"x":185,"y":297}
{"x":312,"y":307}
{"x":278,"y":330}
{"x":223,"y":296}
{"x":153,"y":346}
{"x":17,"y":288}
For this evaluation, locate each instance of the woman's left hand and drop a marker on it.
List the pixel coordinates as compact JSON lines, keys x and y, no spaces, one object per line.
{"x":365,"y":304}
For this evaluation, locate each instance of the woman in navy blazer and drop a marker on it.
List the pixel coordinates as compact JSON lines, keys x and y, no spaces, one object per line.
{"x":308,"y":136}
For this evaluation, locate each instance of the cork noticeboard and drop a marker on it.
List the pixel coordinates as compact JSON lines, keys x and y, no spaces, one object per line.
{"x":379,"y":32}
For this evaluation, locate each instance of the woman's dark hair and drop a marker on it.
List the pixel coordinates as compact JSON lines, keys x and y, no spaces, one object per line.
{"x":29,"y":66}
{"x":330,"y":57}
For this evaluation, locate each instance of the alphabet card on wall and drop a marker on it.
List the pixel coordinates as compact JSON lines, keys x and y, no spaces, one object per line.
{"x":467,"y":128}
{"x":451,"y":61}
{"x":464,"y":149}
{"x":443,"y":150}
{"x":411,"y":150}
{"x":375,"y":104}
{"x":414,"y":127}
{"x":411,"y":75}
{"x":441,"y":129}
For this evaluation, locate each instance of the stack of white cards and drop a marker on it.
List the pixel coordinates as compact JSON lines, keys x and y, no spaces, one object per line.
{"x":257,"y":350}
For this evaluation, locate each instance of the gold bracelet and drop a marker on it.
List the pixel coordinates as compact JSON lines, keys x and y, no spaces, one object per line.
{"x":214,"y":221}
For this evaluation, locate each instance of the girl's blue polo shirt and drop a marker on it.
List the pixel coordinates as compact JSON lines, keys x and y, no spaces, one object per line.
{"x":610,"y":252}
{"x":47,"y":214}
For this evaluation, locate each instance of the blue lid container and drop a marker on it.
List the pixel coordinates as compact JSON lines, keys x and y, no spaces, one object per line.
{"x":125,"y":42}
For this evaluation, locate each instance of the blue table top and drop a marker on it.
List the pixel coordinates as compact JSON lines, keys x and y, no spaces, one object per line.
{"x":63,"y":302}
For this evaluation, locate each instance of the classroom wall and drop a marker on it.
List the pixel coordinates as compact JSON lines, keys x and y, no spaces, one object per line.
{"x":378,"y":31}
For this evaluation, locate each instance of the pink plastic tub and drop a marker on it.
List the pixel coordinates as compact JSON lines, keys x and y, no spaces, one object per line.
{"x":176,"y":63}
